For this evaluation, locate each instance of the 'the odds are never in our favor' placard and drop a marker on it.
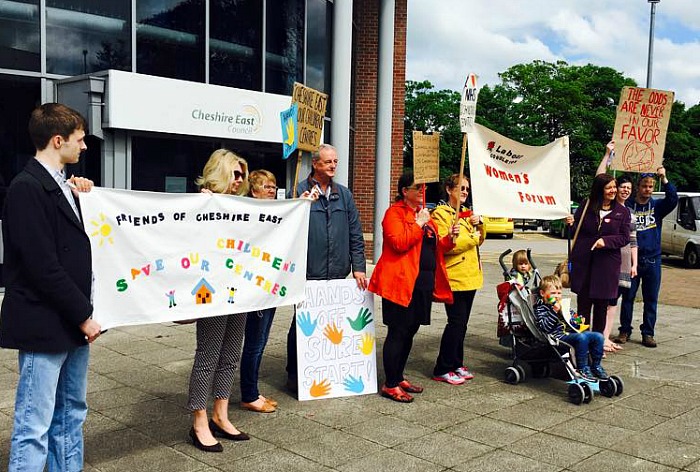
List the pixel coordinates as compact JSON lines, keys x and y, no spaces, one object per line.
{"x":640,"y":129}
{"x":426,"y":157}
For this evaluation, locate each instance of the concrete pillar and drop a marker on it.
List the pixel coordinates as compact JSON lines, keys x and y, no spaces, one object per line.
{"x":340,"y":86}
{"x":385,"y":79}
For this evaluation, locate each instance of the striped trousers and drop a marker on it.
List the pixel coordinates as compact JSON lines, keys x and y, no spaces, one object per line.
{"x":219,"y":344}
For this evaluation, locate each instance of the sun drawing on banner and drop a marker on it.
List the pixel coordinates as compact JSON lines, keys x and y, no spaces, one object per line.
{"x":102,"y":230}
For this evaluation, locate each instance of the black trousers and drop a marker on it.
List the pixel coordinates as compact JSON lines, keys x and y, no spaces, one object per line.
{"x":403,"y":324}
{"x":451,"y":355}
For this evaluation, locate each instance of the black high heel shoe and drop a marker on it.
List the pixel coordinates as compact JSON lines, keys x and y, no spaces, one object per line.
{"x":218,"y":431}
{"x":198,"y":444}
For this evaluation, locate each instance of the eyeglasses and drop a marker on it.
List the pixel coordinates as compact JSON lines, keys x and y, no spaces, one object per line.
{"x":270,"y":187}
{"x":237,"y":174}
{"x":416,"y":187}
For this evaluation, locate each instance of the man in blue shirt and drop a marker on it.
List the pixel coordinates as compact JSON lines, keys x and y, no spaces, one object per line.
{"x":649,"y":214}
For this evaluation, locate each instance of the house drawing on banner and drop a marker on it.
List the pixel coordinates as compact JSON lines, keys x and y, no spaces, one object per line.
{"x":202,"y":292}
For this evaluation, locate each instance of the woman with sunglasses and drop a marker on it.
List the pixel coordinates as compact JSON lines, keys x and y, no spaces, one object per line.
{"x":219,"y":338}
{"x":409,"y":274}
{"x":628,"y":268}
{"x":257,"y":328}
{"x":465,"y":276}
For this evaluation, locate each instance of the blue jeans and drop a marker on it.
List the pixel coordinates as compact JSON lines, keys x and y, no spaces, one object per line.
{"x":649,"y":275}
{"x":50,"y":410}
{"x":587,"y":342}
{"x":257,"y":330}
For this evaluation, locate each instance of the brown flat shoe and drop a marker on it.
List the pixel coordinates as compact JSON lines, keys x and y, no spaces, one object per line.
{"x":269,"y":400}
{"x":265,"y":408}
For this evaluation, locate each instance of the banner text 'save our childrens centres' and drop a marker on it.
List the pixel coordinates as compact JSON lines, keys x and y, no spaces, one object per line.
{"x":161,"y":257}
{"x":511,"y":179}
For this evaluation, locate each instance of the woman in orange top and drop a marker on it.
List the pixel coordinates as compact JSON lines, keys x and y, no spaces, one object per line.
{"x":409,"y":275}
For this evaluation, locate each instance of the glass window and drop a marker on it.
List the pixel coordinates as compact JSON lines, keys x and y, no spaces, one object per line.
{"x":235,"y":45}
{"x":170,"y":38}
{"x":318,"y":49}
{"x":19,"y":35}
{"x":284,"y":56}
{"x":86,"y":36}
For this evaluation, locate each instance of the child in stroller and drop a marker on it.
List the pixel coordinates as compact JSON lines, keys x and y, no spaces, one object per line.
{"x":550,"y":320}
{"x":533,"y":344}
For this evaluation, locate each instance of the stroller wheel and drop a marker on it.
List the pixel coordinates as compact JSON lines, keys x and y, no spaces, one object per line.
{"x":576,"y":394}
{"x":521,"y":371}
{"x":608,"y":388}
{"x":512,"y":375}
{"x":587,"y":392}
{"x":540,"y":370}
{"x":619,"y":384}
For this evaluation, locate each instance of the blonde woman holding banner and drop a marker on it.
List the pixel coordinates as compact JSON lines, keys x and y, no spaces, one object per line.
{"x":219,"y":338}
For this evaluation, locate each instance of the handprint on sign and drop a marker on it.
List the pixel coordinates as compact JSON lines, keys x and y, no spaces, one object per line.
{"x":367,"y":344}
{"x":638,"y":157}
{"x":320,"y":389}
{"x":332,"y":332}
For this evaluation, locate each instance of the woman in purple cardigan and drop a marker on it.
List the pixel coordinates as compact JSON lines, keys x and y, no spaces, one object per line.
{"x":595,"y":259}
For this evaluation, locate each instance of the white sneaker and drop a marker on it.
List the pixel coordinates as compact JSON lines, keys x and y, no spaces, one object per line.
{"x":450,"y":378}
{"x":464,"y":373}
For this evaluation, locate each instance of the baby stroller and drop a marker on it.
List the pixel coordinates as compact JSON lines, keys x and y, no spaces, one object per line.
{"x":518,"y":329}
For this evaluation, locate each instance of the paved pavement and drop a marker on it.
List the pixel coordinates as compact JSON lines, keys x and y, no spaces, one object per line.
{"x":138,"y":388}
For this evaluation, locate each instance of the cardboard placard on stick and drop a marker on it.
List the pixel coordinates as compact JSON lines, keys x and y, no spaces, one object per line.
{"x":312,"y":109}
{"x":426,"y":157}
{"x":640,"y":129}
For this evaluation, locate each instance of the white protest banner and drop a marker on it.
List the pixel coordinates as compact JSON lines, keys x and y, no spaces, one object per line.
{"x":514,"y":180}
{"x":640,"y":129}
{"x":467,"y":106}
{"x":161,"y":257}
{"x":336,"y":346}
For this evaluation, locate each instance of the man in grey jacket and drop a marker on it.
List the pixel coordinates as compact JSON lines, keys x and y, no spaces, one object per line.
{"x":336,"y":245}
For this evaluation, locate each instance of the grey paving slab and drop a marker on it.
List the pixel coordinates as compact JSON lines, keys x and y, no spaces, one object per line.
{"x":444,"y":449}
{"x":611,"y":460}
{"x":660,"y":449}
{"x":139,"y":376}
{"x":501,"y":460}
{"x":553,"y":450}
{"x":390,"y":459}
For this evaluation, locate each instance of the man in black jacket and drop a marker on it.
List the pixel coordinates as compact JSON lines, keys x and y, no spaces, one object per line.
{"x":46,"y":312}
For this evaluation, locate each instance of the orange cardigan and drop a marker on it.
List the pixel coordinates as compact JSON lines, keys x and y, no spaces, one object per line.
{"x":395,"y":275}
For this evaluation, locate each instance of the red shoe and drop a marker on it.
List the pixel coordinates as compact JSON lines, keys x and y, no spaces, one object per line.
{"x":397,"y":394}
{"x":409,"y":387}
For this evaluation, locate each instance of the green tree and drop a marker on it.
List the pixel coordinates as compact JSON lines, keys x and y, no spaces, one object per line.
{"x":431,"y":110}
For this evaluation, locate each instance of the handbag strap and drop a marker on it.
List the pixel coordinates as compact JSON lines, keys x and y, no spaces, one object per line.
{"x":578,"y":228}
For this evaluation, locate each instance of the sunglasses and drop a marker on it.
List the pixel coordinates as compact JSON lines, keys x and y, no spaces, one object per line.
{"x":645,"y":175}
{"x":237,"y":174}
{"x":464,"y":189}
{"x":416,"y":187}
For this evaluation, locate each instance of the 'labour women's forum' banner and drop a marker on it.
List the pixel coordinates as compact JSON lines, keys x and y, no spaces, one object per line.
{"x":336,"y":344}
{"x":514,"y":180}
{"x":161,"y":257}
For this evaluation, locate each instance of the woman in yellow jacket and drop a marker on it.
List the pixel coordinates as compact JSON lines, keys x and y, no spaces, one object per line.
{"x":465,"y":276}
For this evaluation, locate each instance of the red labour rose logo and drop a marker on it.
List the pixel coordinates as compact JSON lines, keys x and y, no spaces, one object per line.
{"x":490,"y":145}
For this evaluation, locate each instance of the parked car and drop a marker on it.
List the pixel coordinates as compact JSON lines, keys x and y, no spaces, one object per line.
{"x":499,"y":226}
{"x":527,"y":223}
{"x":680,"y":232}
{"x":558,"y":227}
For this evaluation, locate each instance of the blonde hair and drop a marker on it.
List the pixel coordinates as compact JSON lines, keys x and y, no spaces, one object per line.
{"x":218,"y":172}
{"x":550,"y":281}
{"x":257,"y":179}
{"x":520,"y":257}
